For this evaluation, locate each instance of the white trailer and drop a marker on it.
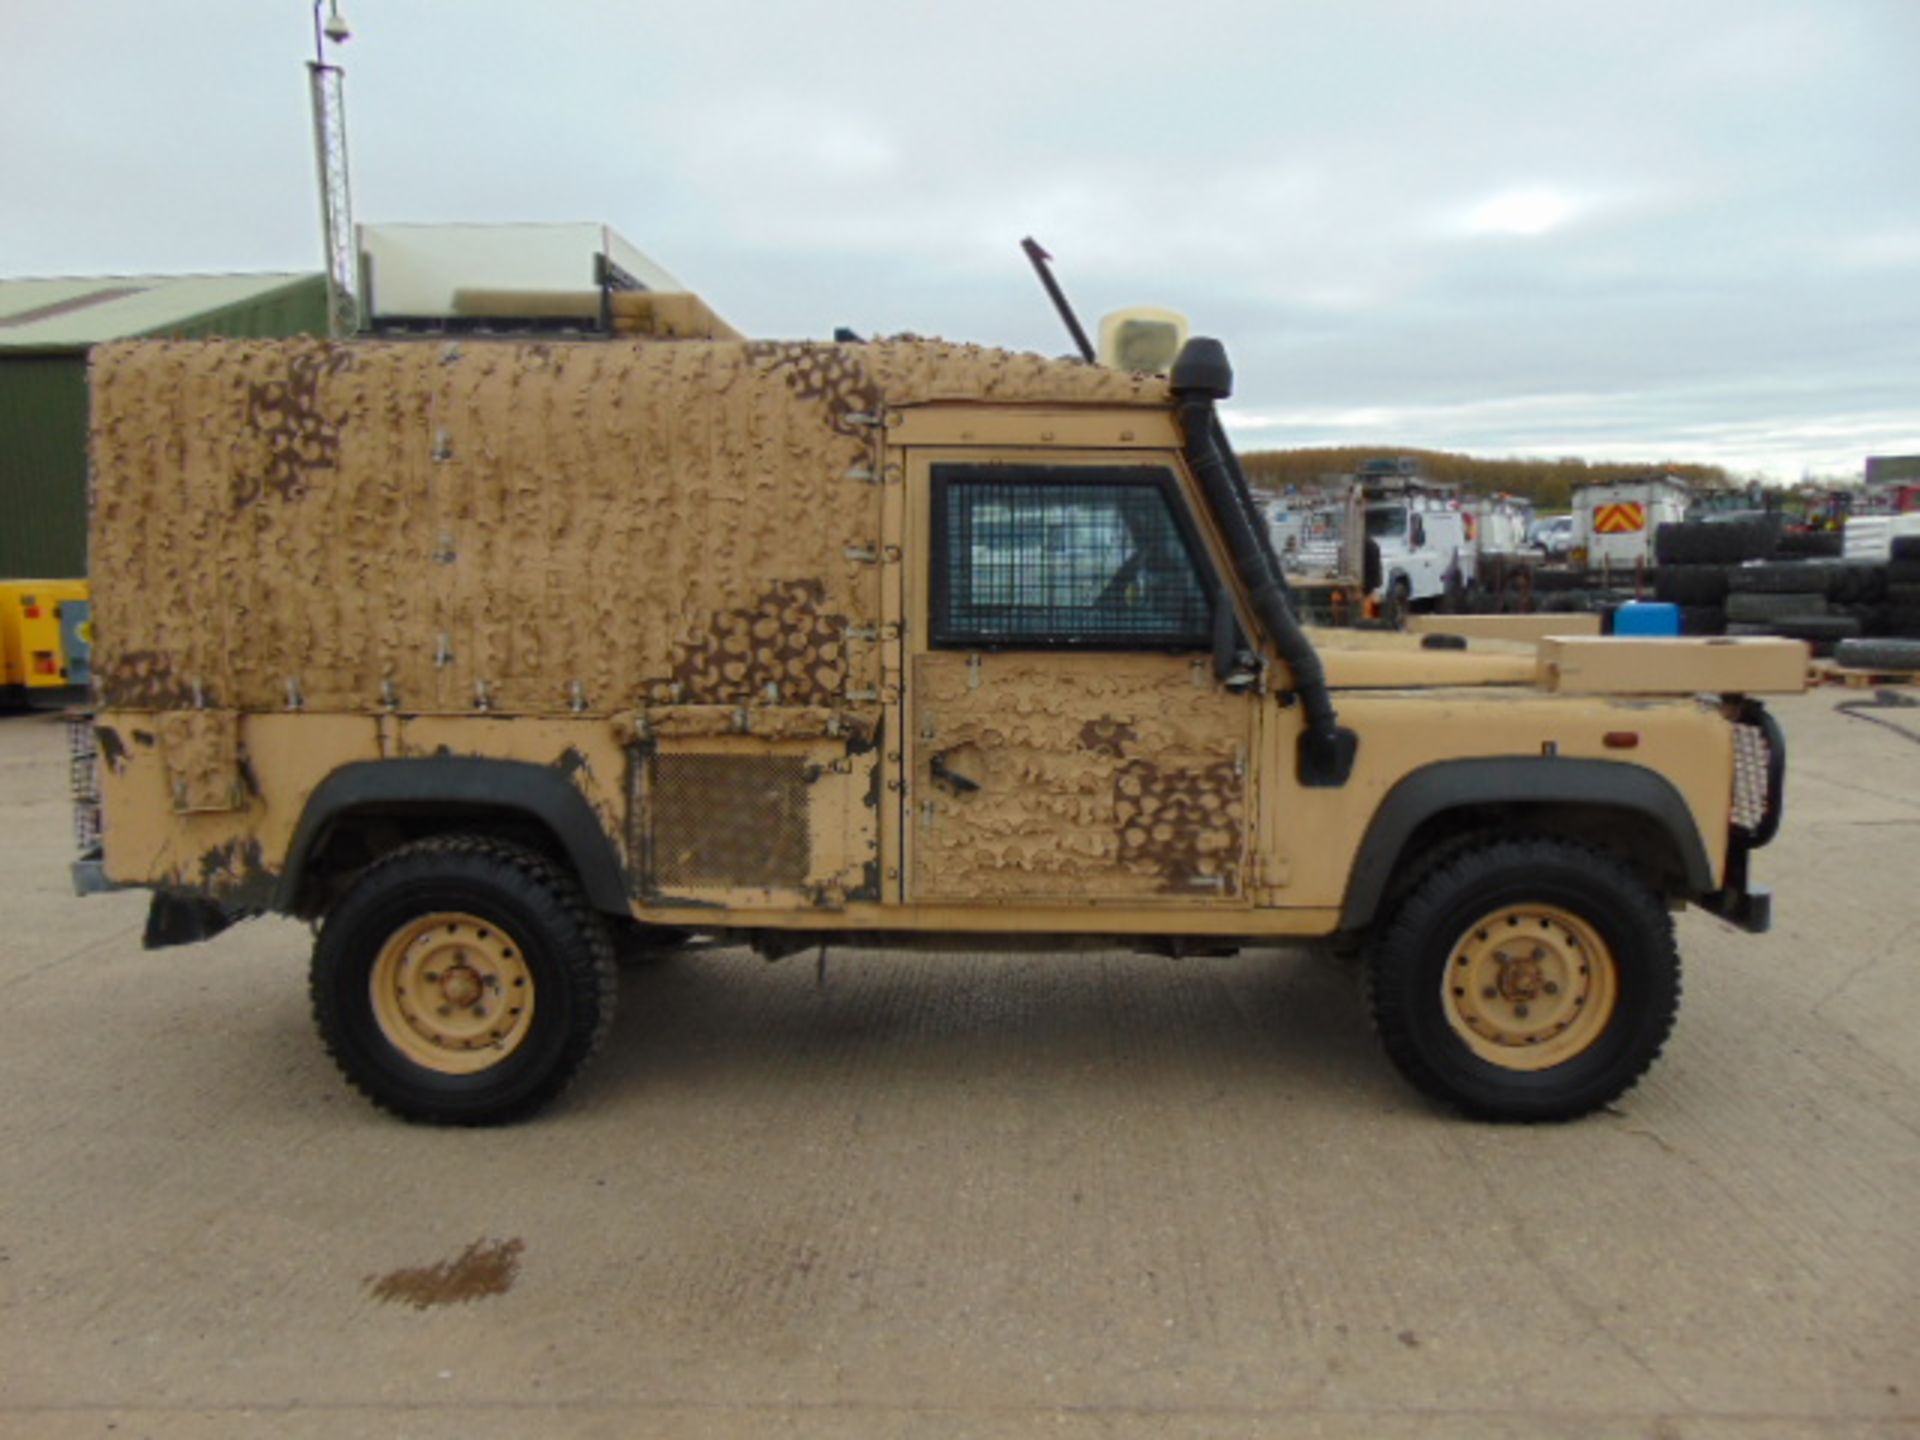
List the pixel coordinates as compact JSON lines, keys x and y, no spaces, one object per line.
{"x":1613,"y":525}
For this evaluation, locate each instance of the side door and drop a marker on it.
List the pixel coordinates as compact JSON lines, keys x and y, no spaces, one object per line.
{"x":1068,"y":742}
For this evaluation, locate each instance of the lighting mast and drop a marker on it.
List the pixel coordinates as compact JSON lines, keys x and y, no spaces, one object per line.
{"x":330,"y":155}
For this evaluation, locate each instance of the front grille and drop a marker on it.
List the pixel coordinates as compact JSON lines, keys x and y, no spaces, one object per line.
{"x":729,"y":820}
{"x":1752,"y":757}
{"x":83,"y":784}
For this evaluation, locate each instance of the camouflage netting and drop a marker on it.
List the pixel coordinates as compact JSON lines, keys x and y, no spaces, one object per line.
{"x":526,"y":527}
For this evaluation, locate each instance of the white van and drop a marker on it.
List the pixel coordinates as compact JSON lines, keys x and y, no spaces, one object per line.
{"x":1422,"y":542}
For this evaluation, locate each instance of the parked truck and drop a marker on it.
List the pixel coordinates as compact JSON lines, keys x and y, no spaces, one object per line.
{"x":487,"y":657}
{"x":1614,"y":524}
{"x":1399,"y":541}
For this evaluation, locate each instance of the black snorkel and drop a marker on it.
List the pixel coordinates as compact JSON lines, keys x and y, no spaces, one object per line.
{"x":1202,"y":376}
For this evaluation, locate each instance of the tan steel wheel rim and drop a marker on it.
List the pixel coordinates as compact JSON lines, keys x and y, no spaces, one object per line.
{"x":452,"y":992}
{"x":1528,"y":987}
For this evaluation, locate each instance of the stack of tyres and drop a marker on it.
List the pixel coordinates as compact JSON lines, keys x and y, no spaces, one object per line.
{"x":1820,"y":601}
{"x":1899,"y":616}
{"x":1811,"y":545}
{"x":1701,"y":593}
{"x":1716,"y":542}
{"x":1693,"y":562}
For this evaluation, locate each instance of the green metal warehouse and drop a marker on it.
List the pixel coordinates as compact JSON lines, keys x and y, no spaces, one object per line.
{"x":46,"y":329}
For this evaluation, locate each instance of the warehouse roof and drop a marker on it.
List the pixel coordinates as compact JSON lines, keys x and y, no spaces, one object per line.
{"x":73,"y":313}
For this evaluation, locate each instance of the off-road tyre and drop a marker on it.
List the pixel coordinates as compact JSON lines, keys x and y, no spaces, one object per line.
{"x":1811,"y":543}
{"x":1690,"y":584}
{"x":1855,"y":583}
{"x":1770,"y":607}
{"x":1821,"y":632}
{"x":1702,"y":620}
{"x":1783,"y":577}
{"x":1893,"y":655}
{"x":1605,"y":934}
{"x":1567,"y":602}
{"x":1552,"y":582}
{"x":1398,"y":602}
{"x":1715,"y":542}
{"x":1689,"y":543}
{"x":1757,"y":537}
{"x":514,"y":920}
{"x":1817,"y":627}
{"x":1898,"y":621}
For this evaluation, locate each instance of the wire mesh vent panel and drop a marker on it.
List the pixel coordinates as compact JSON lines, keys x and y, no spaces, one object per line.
{"x":1750,"y":757}
{"x":730,"y":820}
{"x":1063,"y":564}
{"x":83,"y":783}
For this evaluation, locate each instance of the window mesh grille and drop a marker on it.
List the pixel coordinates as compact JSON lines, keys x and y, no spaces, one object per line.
{"x":1067,"y":563}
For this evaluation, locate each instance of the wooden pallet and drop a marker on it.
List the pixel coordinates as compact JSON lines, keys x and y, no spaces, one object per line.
{"x":1827,"y":672}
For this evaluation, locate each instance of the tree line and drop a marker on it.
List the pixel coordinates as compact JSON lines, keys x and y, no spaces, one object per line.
{"x":1548,"y":483}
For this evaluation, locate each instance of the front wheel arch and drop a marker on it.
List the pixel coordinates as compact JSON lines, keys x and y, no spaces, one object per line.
{"x":1620,"y":807}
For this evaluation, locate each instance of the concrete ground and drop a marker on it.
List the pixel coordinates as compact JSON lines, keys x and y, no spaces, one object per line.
{"x":970,"y":1195}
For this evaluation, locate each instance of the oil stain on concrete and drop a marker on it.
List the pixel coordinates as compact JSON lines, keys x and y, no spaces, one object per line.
{"x":486,"y":1267}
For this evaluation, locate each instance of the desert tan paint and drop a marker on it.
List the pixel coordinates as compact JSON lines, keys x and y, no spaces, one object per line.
{"x":1101,"y":777}
{"x":1315,"y":835}
{"x":588,"y":555}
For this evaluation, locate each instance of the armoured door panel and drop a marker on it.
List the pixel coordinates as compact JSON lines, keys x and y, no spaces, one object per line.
{"x":1068,"y":778}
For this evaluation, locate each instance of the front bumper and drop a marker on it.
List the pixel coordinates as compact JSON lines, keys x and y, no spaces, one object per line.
{"x":1746,"y":909}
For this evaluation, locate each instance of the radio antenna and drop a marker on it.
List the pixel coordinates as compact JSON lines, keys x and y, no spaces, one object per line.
{"x":1044,"y":270}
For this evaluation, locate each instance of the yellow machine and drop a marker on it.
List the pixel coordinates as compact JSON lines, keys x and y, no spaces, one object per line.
{"x":46,"y":635}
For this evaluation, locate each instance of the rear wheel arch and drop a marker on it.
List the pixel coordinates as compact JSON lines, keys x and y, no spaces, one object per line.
{"x":364,"y":810}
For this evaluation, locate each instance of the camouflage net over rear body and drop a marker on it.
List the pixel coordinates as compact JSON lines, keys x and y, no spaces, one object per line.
{"x":512,"y":526}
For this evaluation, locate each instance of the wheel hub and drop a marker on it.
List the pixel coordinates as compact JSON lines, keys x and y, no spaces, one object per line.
{"x":1529,"y":986}
{"x":461,"y":985}
{"x":452,"y":992}
{"x":1520,"y":979}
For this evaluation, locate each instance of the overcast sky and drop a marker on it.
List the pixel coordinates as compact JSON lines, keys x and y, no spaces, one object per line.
{"x":1685,"y":230}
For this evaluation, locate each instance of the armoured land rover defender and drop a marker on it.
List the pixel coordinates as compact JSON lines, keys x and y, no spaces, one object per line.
{"x":482,"y":654}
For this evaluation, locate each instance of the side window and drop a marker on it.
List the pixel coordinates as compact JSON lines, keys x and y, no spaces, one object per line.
{"x":1061,"y":557}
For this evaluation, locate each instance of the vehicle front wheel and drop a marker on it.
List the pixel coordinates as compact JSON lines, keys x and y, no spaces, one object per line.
{"x":1399,"y":603}
{"x":1525,"y":979}
{"x":462,"y":981}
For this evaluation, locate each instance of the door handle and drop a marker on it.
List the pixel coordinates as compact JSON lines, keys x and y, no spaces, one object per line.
{"x":960,"y":784}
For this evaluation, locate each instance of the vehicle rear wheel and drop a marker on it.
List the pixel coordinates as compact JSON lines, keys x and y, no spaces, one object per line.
{"x":462,"y":981}
{"x":1526,"y":979}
